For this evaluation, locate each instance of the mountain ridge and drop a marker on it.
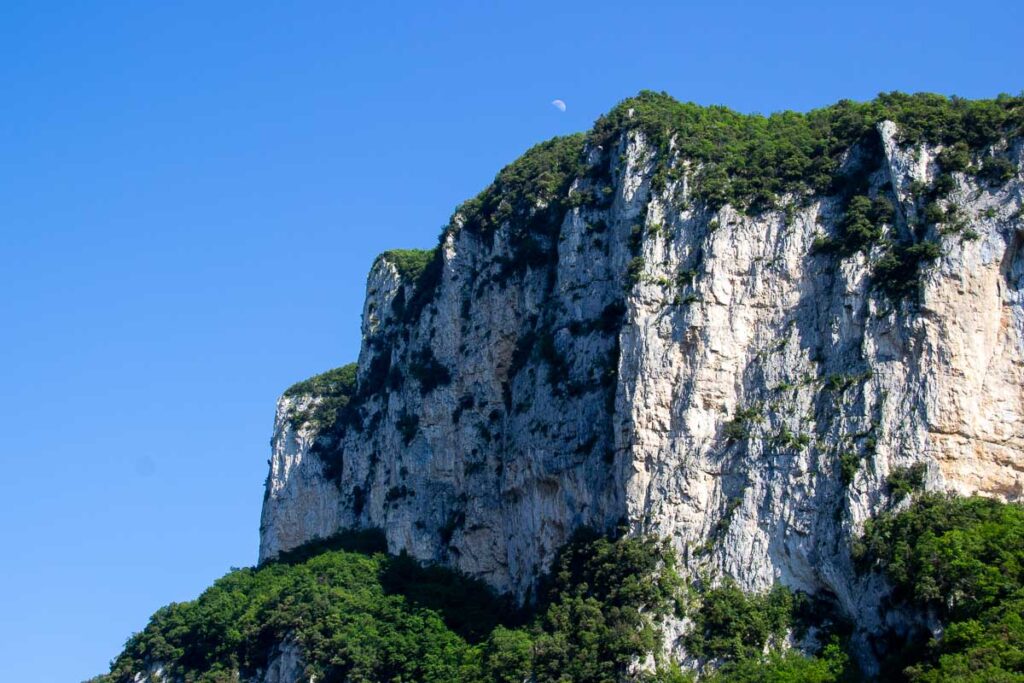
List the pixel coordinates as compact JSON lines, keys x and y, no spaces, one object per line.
{"x":746,"y":335}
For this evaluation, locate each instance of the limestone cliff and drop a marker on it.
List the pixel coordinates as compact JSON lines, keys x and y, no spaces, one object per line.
{"x":599,"y":339}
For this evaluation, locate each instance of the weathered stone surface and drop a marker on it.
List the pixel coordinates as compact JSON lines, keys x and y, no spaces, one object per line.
{"x":300,"y":503}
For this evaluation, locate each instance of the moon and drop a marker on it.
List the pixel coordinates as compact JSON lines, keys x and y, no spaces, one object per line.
{"x":558,"y":104}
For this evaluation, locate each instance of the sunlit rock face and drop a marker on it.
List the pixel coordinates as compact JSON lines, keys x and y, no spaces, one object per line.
{"x":300,"y":503}
{"x":707,"y":376}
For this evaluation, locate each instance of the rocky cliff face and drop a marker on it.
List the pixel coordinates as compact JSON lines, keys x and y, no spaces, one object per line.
{"x":608,"y":347}
{"x":285,"y":664}
{"x":300,"y":502}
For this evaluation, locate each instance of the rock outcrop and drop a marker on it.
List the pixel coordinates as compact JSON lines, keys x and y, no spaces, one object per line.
{"x":608,"y":348}
{"x":284,"y":665}
{"x":300,"y":502}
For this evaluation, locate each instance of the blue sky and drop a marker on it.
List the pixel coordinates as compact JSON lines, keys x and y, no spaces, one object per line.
{"x":191,"y":194}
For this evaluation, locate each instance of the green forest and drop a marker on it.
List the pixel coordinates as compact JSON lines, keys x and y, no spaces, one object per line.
{"x":359,"y":614}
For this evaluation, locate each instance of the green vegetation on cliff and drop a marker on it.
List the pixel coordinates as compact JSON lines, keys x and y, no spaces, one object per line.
{"x":360,"y":615}
{"x":531,"y":190}
{"x":750,"y":160}
{"x":955,"y":555}
{"x":337,"y":382}
{"x":357,"y":614}
{"x":960,"y":560}
{"x":410,"y":263}
{"x":733,"y":625}
{"x":333,"y":391}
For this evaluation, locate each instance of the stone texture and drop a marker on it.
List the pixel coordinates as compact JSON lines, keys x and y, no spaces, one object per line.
{"x":285,"y":665}
{"x":300,"y":503}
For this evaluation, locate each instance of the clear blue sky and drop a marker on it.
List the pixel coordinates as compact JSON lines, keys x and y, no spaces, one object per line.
{"x":191,"y":194}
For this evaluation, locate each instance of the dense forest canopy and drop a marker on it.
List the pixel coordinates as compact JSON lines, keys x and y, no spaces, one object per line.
{"x":358,"y":614}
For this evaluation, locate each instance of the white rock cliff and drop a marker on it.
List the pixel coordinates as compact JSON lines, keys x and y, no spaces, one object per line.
{"x":713,"y":402}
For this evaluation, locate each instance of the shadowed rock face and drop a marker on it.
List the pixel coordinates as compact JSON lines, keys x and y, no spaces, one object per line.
{"x":705,"y":375}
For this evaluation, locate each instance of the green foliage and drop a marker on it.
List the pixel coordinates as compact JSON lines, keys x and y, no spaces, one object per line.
{"x":849,"y":463}
{"x":904,"y":481}
{"x":331,"y":383}
{"x":840,"y":382}
{"x":735,"y":430}
{"x":956,"y":157}
{"x":744,"y":634}
{"x":942,"y":185}
{"x":423,"y":270}
{"x":933,"y":213}
{"x":831,"y":665}
{"x":599,"y":605}
{"x":924,"y":251}
{"x":685,"y":278}
{"x":334,"y":389}
{"x":540,"y":176}
{"x":788,"y":439}
{"x":732,"y":624}
{"x":997,"y":170}
{"x":936,"y":119}
{"x":963,"y":560}
{"x":897,"y":271}
{"x":361,"y":617}
{"x":371,"y":617}
{"x":958,"y":555}
{"x":989,"y":649}
{"x":862,"y":223}
{"x":531,"y":195}
{"x":738,"y":428}
{"x":751,"y":160}
{"x":882,"y":211}
{"x":410,"y":263}
{"x":635,"y":270}
{"x":506,"y":657}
